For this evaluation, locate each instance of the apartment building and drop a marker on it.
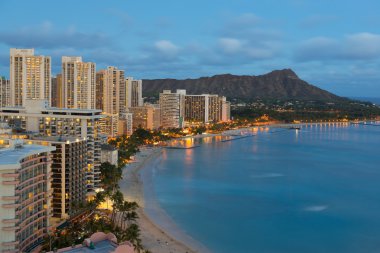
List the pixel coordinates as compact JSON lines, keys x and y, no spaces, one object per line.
{"x":4,"y":91}
{"x":133,"y":92}
{"x":69,"y":166}
{"x":25,"y":196}
{"x":172,"y":106}
{"x":30,"y":76}
{"x":78,"y":80}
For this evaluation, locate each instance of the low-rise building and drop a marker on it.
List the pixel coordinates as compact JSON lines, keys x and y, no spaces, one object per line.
{"x":109,"y":154}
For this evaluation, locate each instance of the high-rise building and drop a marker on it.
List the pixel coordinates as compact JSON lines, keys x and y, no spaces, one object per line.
{"x":30,"y":76}
{"x":4,"y":92}
{"x":56,"y":91}
{"x":172,"y":107}
{"x":133,"y":92}
{"x":204,"y":108}
{"x":111,"y":91}
{"x":68,"y":168}
{"x":37,"y":117}
{"x":25,"y":196}
{"x":226,"y":109}
{"x":78,"y":80}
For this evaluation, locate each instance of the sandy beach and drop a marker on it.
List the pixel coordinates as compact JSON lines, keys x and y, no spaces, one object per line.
{"x":153,"y":237}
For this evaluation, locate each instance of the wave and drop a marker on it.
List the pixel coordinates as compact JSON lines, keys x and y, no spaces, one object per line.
{"x":315,"y":208}
{"x":267,"y":175}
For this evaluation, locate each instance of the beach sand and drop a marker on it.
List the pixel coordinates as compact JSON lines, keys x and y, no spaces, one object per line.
{"x":153,"y":237}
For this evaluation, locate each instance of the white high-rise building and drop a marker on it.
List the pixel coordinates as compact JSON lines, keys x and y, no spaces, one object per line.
{"x":78,"y":82}
{"x":30,"y":76}
{"x":172,"y":107}
{"x":133,"y":92}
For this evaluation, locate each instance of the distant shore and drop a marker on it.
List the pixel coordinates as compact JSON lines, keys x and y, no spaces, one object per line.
{"x":154,"y":238}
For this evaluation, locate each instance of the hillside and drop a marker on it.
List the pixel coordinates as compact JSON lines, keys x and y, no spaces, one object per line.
{"x":278,"y":84}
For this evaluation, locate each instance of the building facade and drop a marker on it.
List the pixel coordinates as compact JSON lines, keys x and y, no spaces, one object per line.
{"x":37,"y":117}
{"x":30,"y":76}
{"x":57,"y":91}
{"x":78,"y":79}
{"x":125,"y":124}
{"x":4,"y":92}
{"x":172,"y":106}
{"x":68,"y":182}
{"x":25,"y":208}
{"x":133,"y":92}
{"x":109,"y":154}
{"x":111,"y":91}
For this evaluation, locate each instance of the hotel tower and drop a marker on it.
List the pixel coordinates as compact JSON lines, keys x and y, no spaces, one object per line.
{"x":30,"y":76}
{"x":78,"y":82}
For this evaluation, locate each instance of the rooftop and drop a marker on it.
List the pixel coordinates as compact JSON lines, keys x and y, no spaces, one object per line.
{"x":107,"y":147}
{"x":13,"y":155}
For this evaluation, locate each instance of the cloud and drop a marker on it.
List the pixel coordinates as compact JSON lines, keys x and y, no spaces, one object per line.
{"x":45,"y":36}
{"x":166,"y":47}
{"x":360,"y":46}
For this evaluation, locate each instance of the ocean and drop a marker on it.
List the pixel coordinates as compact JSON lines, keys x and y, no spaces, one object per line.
{"x":312,"y":190}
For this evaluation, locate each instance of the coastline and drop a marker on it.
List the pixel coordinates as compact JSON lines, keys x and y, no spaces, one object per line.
{"x":154,"y":237}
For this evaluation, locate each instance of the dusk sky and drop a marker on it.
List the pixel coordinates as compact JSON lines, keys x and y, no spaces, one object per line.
{"x":334,"y":44}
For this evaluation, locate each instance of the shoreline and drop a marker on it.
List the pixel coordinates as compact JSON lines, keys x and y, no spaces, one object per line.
{"x":155,"y":238}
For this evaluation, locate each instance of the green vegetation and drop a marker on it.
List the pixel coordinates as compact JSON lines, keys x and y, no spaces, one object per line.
{"x":306,"y":111}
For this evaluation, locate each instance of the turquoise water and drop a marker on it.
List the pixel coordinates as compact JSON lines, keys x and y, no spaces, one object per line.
{"x":316,"y":190}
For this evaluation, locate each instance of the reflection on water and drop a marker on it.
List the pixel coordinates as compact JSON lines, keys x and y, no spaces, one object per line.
{"x":314,"y":190}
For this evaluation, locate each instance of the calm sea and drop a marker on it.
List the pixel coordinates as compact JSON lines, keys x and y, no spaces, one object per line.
{"x":314,"y":190}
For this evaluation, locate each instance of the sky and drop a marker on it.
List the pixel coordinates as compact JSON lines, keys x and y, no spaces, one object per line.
{"x":333,"y":44}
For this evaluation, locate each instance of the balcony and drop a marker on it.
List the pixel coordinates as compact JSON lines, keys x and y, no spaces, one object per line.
{"x":10,"y":244}
{"x":10,"y":198}
{"x":13,"y":205}
{"x":10,"y":221}
{"x":10,"y":228}
{"x":8,"y":175}
{"x":15,"y":182}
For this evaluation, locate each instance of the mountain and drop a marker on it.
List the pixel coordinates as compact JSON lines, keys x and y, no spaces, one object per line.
{"x":278,"y":84}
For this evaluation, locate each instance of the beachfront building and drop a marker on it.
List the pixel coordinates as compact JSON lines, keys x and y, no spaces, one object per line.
{"x":172,"y":106}
{"x":37,"y":117}
{"x":225,"y":109}
{"x":30,"y":76}
{"x":4,"y":91}
{"x":25,"y":199}
{"x":133,"y":92}
{"x":78,"y":80}
{"x":109,"y":154}
{"x":68,"y":168}
{"x":205,"y":108}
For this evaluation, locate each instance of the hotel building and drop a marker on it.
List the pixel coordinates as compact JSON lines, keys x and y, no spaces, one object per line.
{"x":172,"y":107}
{"x":37,"y":117}
{"x":134,"y":92}
{"x":78,"y":79}
{"x":25,"y":195}
{"x":56,"y":91}
{"x":205,"y":108}
{"x":111,"y":91}
{"x":69,"y":165}
{"x":4,"y":91}
{"x":109,"y":124}
{"x":30,"y":76}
